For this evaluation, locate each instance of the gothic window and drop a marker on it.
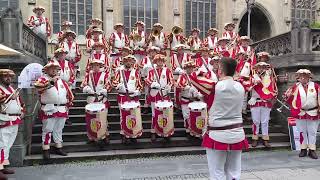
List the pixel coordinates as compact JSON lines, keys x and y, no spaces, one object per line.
{"x":303,"y":10}
{"x":200,"y":14}
{"x":140,"y":10}
{"x":79,"y":12}
{"x":4,"y":4}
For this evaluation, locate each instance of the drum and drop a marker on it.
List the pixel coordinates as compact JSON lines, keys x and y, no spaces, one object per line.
{"x":131,"y":123}
{"x":198,"y":117}
{"x":162,"y":121}
{"x":96,"y":120}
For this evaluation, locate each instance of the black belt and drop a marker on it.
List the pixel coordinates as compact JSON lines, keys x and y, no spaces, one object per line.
{"x":11,"y":114}
{"x":314,"y":108}
{"x":125,"y":93}
{"x":55,"y":104}
{"x":233,"y":126}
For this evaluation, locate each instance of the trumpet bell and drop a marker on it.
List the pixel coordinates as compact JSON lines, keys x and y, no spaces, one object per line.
{"x":176,"y":30}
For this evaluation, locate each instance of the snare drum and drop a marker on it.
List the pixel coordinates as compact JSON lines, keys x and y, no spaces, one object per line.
{"x":131,"y":123}
{"x":96,"y":120}
{"x":162,"y":121}
{"x":198,"y":117}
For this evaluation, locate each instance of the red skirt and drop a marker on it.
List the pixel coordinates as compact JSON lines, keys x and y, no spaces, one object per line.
{"x":207,"y":142}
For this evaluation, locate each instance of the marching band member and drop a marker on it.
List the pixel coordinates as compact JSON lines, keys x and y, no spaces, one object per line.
{"x":145,"y":66}
{"x":303,"y":98}
{"x":244,"y":46}
{"x":212,"y":40}
{"x":230,"y":34}
{"x":98,"y":52}
{"x":188,"y":92}
{"x":264,"y":91}
{"x":56,"y":98}
{"x":65,"y":26}
{"x":97,"y":85}
{"x":160,"y":80}
{"x":72,"y":47}
{"x":225,"y":137}
{"x":263,"y":57}
{"x":67,"y":74}
{"x":177,"y":62}
{"x":158,"y":38}
{"x":96,"y":34}
{"x":128,"y":84}
{"x":126,"y":51}
{"x":175,"y":37}
{"x":195,"y":42}
{"x":12,"y":111}
{"x":138,"y":41}
{"x":40,"y":24}
{"x":222,"y":48}
{"x":95,"y":23}
{"x":118,"y":40}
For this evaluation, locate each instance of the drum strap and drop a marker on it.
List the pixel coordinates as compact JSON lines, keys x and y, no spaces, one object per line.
{"x":233,"y":126}
{"x":55,"y":104}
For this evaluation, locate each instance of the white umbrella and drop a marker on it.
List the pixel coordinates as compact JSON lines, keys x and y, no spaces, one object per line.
{"x":6,"y":51}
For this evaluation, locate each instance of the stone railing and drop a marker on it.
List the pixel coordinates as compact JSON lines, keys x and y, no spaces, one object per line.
{"x":276,"y":46}
{"x":33,"y":43}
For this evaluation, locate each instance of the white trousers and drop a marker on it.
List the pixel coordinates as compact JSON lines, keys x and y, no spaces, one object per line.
{"x":224,"y":165}
{"x":7,"y":137}
{"x":245,"y":103}
{"x":186,"y":115}
{"x":260,"y":115}
{"x":308,"y":133}
{"x":52,"y":128}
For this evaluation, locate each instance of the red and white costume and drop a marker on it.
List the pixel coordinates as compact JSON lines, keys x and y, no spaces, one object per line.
{"x":40,"y":25}
{"x":263,"y":92}
{"x":55,"y":102}
{"x":211,"y":42}
{"x":102,"y":56}
{"x":127,"y":94}
{"x":246,"y":50}
{"x":74,"y":54}
{"x":159,"y":41}
{"x":230,"y":35}
{"x":139,"y":47}
{"x":195,"y":43}
{"x":165,"y":77}
{"x":118,"y":41}
{"x":66,"y":73}
{"x":223,"y":50}
{"x":100,"y":82}
{"x":9,"y":122}
{"x":225,"y":137}
{"x":176,"y":40}
{"x":304,"y":104}
{"x":91,"y":42}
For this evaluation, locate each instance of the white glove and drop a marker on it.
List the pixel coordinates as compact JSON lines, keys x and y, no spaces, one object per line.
{"x":37,"y":23}
{"x":252,"y":101}
{"x":193,"y":90}
{"x":135,"y":93}
{"x":103,"y":92}
{"x":187,"y":87}
{"x":88,"y":89}
{"x":199,"y":95}
{"x":155,"y":85}
{"x":179,"y":70}
{"x":256,"y":79}
{"x":121,"y":87}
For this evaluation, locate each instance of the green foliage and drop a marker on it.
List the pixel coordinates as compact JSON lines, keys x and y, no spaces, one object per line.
{"x":315,"y":25}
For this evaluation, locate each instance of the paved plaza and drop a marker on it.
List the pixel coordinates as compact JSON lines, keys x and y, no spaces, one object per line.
{"x":275,"y":165}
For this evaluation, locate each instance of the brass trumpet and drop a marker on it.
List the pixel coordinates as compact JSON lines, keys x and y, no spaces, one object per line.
{"x":135,"y":36}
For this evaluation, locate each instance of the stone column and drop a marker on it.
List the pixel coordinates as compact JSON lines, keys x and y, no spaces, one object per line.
{"x":108,"y":17}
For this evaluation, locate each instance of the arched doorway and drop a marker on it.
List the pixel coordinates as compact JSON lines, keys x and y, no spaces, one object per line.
{"x":260,"y":25}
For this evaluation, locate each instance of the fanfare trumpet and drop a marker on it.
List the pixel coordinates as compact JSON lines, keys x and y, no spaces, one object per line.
{"x":15,"y":93}
{"x":283,"y":105}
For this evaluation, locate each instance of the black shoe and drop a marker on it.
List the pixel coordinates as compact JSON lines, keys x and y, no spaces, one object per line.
{"x":46,"y":154}
{"x":3,"y":176}
{"x":90,"y":142}
{"x":254,"y":143}
{"x":124,"y":140}
{"x":303,"y":153}
{"x":266,"y":144}
{"x":7,"y":171}
{"x":68,"y":122}
{"x":167,"y":139}
{"x":153,"y":137}
{"x":134,"y":140}
{"x":106,"y":141}
{"x":312,"y":154}
{"x":146,"y":110}
{"x":60,"y":152}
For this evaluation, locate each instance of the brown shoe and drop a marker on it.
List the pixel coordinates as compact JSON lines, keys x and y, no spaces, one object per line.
{"x":153,"y":137}
{"x":303,"y":153}
{"x":254,"y":143}
{"x":3,"y":176}
{"x":312,"y":154}
{"x":7,"y":171}
{"x":266,"y":144}
{"x":60,"y":152}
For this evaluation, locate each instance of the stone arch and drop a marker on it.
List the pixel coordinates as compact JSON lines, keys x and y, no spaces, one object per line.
{"x":259,"y":30}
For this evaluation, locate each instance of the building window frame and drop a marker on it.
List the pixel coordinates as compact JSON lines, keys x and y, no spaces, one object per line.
{"x":87,"y":16}
{"x":200,"y":15}
{"x":131,"y":4}
{"x":10,"y":4}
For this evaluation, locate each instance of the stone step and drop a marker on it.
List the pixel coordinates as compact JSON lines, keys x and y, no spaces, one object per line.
{"x":112,"y":95}
{"x":144,"y":143}
{"x":36,"y":159}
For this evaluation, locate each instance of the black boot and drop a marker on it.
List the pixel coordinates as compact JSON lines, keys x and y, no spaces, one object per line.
{"x":266,"y":144}
{"x":6,"y":170}
{"x":106,"y":140}
{"x":303,"y":153}
{"x":124,"y":140}
{"x":254,"y":143}
{"x":153,"y":137}
{"x":3,"y":176}
{"x":60,"y":152}
{"x":46,"y":154}
{"x":312,"y":154}
{"x":68,"y":122}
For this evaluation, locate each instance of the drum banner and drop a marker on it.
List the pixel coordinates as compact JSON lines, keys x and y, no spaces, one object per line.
{"x":96,"y":125}
{"x":197,"y":122}
{"x":163,"y":122}
{"x":131,"y":123}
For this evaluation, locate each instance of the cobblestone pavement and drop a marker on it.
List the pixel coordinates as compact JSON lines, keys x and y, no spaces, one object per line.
{"x":277,"y":165}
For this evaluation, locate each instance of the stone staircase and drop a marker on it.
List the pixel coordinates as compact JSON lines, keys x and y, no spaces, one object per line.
{"x":75,"y":137}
